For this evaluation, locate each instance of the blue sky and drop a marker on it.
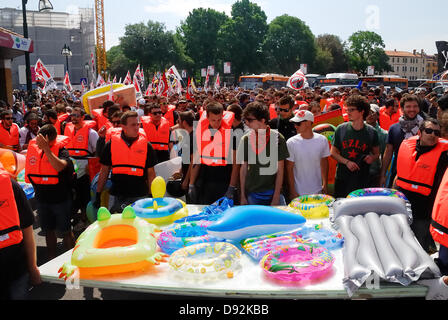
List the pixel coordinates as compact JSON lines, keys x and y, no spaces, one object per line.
{"x":403,"y":25}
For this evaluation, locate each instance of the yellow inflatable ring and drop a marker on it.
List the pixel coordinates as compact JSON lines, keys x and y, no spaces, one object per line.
{"x":160,"y":211}
{"x":116,"y":243}
{"x":96,"y":91}
{"x":206,"y":261}
{"x":313,"y":206}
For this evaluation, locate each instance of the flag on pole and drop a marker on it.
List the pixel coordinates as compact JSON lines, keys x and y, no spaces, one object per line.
{"x":67,"y":85}
{"x":100,"y":81}
{"x":92,"y":60}
{"x":217,"y":83}
{"x":23,"y":107}
{"x":44,"y":76}
{"x":83,"y":87}
{"x":138,"y":92}
{"x":127,"y":80}
{"x":207,"y":78}
{"x":297,"y":81}
{"x":148,"y":91}
{"x":111,"y":93}
{"x":114,"y":80}
{"x":173,"y":71}
{"x":162,"y":88}
{"x":119,"y":81}
{"x":190,"y":91}
{"x":92,"y":86}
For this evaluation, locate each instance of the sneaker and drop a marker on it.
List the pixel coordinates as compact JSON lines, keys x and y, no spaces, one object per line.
{"x":80,"y":226}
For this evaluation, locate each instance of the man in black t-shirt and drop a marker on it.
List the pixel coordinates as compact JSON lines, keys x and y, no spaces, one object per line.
{"x":18,"y":262}
{"x":130,"y":181}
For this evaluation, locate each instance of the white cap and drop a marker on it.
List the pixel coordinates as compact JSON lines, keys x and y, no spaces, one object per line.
{"x":302,"y":115}
{"x":142,"y":101}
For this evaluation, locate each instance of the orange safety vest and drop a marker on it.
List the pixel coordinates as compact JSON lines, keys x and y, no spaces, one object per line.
{"x":169,"y":115}
{"x":272,"y":111}
{"x":439,"y":223}
{"x":10,"y":232}
{"x":112,"y":131}
{"x":78,"y":147}
{"x":386,"y":121}
{"x":160,"y":136}
{"x":128,"y":160}
{"x":11,"y":137}
{"x":214,"y":149}
{"x":38,"y":169}
{"x":418,"y":176}
{"x":58,"y":124}
{"x":100,"y":119}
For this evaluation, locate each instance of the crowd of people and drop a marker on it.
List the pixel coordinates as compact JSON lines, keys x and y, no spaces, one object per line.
{"x":253,"y":146}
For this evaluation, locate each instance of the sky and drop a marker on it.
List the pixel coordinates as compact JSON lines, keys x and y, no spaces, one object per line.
{"x":403,"y":25}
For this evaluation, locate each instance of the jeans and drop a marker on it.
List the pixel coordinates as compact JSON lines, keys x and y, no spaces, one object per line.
{"x":264,"y":198}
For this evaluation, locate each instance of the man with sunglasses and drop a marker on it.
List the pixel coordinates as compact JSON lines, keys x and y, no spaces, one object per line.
{"x":282,"y":123}
{"x":157,"y":130}
{"x":9,"y":132}
{"x":421,"y":163}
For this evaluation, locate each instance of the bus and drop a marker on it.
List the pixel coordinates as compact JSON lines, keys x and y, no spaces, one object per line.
{"x":264,"y":81}
{"x":385,"y":80}
{"x":335,"y":79}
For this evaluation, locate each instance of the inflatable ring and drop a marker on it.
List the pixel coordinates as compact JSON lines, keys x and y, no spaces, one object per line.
{"x":160,"y":211}
{"x":326,"y":238}
{"x":297,"y":263}
{"x":313,"y":206}
{"x":377,"y":192}
{"x":185,"y":234}
{"x":116,"y":243}
{"x":206,"y":260}
{"x":258,"y":247}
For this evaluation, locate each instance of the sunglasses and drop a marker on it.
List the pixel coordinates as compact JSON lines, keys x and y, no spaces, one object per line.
{"x":429,"y":131}
{"x":283,"y":110}
{"x":249,"y":119}
{"x":157,"y":113}
{"x":8,"y":118}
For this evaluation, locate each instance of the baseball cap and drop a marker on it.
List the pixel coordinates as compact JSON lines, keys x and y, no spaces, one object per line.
{"x":375,"y":108}
{"x":302,"y":115}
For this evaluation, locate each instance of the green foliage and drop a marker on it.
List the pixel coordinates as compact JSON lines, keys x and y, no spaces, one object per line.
{"x":330,"y":46}
{"x":288,"y":43}
{"x":117,"y":63}
{"x":366,"y":48}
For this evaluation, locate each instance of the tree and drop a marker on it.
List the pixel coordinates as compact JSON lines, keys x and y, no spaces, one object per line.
{"x":240,"y":38}
{"x":366,"y":48}
{"x":333,"y":45}
{"x":199,"y":34}
{"x":323,"y":61}
{"x":117,"y":63}
{"x":289,"y":42}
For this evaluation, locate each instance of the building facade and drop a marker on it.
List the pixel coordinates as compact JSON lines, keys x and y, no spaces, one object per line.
{"x":50,"y":32}
{"x":412,"y":65}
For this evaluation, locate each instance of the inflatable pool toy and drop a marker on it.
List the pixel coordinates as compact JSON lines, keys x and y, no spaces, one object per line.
{"x":185,"y":234}
{"x":160,"y":210}
{"x":258,"y":247}
{"x":206,"y":261}
{"x":326,"y":238}
{"x":106,"y":198}
{"x":28,"y":189}
{"x":253,"y":220}
{"x":12,"y":162}
{"x":116,"y":243}
{"x":328,"y":130}
{"x":304,"y":262}
{"x":377,"y":192}
{"x":212,"y":212}
{"x":313,"y":206}
{"x":96,"y":91}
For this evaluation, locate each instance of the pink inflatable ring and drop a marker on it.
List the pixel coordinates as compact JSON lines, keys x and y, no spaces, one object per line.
{"x":297,"y":263}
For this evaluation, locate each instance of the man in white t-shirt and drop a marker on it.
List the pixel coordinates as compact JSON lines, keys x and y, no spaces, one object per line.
{"x":307,"y":165}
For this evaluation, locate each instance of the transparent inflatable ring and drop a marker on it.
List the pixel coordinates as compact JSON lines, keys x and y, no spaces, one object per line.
{"x":314,"y":206}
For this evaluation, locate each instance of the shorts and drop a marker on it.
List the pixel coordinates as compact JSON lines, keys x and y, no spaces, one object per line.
{"x":82,"y":193}
{"x":55,"y":216}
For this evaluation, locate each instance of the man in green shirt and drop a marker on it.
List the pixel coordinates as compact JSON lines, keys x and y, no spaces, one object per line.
{"x":261,"y":153}
{"x":375,"y":167}
{"x":355,"y":147}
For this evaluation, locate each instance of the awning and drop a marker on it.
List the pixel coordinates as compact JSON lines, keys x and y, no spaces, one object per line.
{"x":13,"y":44}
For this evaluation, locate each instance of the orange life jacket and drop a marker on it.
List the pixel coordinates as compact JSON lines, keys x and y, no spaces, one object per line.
{"x":439,"y":223}
{"x":78,"y":147}
{"x":11,"y":137}
{"x":386,"y":120}
{"x":128,"y":160}
{"x":214,"y":149}
{"x":418,"y":176}
{"x":100,"y":119}
{"x":58,"y":124}
{"x":10,"y":232}
{"x":272,"y":112}
{"x":160,"y":136}
{"x":117,"y":131}
{"x":38,"y":169}
{"x":169,"y":115}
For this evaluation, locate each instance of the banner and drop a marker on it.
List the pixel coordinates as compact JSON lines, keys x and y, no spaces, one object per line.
{"x":67,"y":85}
{"x":297,"y":81}
{"x":442,"y":50}
{"x":217,"y":82}
{"x":227,"y":67}
{"x":203,"y":72}
{"x":211,"y":70}
{"x":173,"y":71}
{"x":44,"y":77}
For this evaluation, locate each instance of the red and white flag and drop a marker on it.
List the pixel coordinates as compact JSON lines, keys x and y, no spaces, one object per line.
{"x":217,"y":82}
{"x":92,"y":85}
{"x":114,"y":80}
{"x":148,"y":91}
{"x":127,"y":80}
{"x":111,"y":93}
{"x":162,"y":88}
{"x":138,"y":92}
{"x":207,"y":78}
{"x":297,"y":81}
{"x":190,"y":91}
{"x":173,"y":71}
{"x":137,"y":72}
{"x":83,"y":87}
{"x":23,"y":107}
{"x":100,"y":81}
{"x":108,"y":79}
{"x":44,"y":76}
{"x":67,"y":85}
{"x":92,"y":61}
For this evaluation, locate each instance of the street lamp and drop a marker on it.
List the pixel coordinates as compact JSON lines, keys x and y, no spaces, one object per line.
{"x":44,"y":6}
{"x":66,"y":52}
{"x":87,"y":68}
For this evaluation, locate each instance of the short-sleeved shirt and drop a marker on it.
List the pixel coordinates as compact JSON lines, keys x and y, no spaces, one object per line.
{"x":354,"y":145}
{"x":13,"y":261}
{"x":262,"y":167}
{"x":63,"y":190}
{"x":284,"y":126}
{"x":127,"y":185}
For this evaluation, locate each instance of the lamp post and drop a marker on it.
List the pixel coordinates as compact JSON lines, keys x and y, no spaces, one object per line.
{"x":44,"y":6}
{"x":87,"y":68}
{"x":66,"y":52}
